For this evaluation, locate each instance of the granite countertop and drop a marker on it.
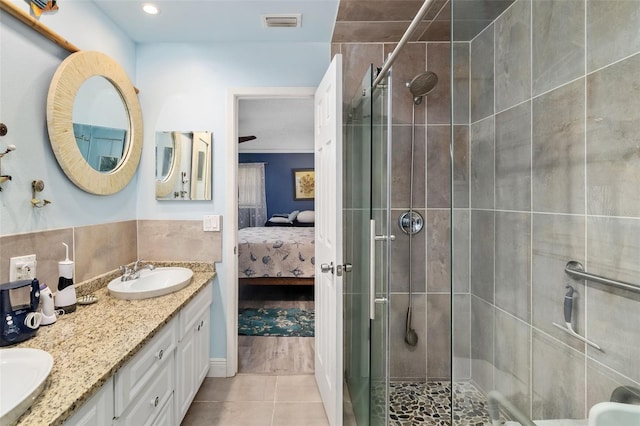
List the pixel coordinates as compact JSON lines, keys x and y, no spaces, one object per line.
{"x":89,"y":345}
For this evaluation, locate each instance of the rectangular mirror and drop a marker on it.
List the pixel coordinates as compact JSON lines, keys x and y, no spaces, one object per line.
{"x":183,"y":165}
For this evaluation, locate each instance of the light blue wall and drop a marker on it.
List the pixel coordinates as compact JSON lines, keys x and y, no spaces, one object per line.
{"x":184,"y":87}
{"x":27,"y":64}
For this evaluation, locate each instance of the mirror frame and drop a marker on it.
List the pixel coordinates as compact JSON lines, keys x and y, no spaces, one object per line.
{"x":165,"y":186}
{"x":66,"y":82}
{"x":206,"y":165}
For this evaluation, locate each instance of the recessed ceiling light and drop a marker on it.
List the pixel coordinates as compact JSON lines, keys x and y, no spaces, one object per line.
{"x":151,"y":9}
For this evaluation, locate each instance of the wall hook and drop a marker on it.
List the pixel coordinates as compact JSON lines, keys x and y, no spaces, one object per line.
{"x":4,"y":178}
{"x":37,"y":186}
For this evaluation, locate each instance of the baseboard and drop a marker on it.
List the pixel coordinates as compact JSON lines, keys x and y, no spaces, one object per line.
{"x":217,"y":367}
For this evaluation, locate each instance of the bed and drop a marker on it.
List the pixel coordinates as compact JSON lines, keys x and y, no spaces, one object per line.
{"x":276,"y":255}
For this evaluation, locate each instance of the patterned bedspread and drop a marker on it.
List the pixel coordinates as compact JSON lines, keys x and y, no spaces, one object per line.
{"x":276,"y":252}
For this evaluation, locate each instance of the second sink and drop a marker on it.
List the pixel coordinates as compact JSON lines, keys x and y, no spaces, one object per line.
{"x":151,"y":283}
{"x":23,"y":372}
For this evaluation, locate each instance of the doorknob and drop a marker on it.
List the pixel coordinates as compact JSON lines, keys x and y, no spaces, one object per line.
{"x":324,"y":268}
{"x":347,"y":267}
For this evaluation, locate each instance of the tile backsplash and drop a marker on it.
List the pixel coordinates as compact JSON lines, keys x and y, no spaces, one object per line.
{"x":101,"y":248}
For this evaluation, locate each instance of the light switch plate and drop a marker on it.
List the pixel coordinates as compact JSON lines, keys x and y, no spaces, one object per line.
{"x":22,"y":267}
{"x":211,"y":223}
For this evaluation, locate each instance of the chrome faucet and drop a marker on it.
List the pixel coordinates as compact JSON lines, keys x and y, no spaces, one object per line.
{"x":129,"y":274}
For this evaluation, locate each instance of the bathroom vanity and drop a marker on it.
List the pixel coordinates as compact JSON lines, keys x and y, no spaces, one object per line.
{"x":127,"y":362}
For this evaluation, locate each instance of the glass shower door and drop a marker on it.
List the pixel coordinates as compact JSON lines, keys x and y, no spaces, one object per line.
{"x":357,"y":213}
{"x":365,"y":217}
{"x":380,"y":235}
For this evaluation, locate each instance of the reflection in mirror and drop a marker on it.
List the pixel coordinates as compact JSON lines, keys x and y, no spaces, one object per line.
{"x":183,"y":165}
{"x":65,"y":85}
{"x":100,"y":123}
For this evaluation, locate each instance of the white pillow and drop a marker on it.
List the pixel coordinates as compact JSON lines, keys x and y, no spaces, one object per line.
{"x":293,"y":215}
{"x":279,"y":220}
{"x":306,"y":216}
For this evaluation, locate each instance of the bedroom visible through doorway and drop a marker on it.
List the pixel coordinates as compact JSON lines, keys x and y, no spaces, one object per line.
{"x":276,"y":254}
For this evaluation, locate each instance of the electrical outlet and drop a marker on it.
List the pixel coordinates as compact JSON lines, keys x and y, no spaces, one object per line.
{"x":22,"y":267}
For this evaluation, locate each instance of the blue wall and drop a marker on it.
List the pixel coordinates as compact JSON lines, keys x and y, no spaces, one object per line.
{"x":279,"y":179}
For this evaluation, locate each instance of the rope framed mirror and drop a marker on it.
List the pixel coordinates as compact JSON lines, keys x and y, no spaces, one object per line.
{"x":94,"y":122}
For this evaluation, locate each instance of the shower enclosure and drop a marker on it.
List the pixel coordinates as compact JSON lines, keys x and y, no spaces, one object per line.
{"x":366,"y":225}
{"x":527,"y":159}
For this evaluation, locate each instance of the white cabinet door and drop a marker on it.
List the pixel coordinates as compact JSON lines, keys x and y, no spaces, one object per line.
{"x":185,"y":374}
{"x":203,"y":336}
{"x":97,"y":411}
{"x":192,"y":357}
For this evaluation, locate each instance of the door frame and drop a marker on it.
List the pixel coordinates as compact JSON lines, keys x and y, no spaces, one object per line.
{"x":230,"y":229}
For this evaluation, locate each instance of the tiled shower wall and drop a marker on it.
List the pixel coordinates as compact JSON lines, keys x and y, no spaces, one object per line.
{"x":430,"y":257}
{"x":554,"y":169}
{"x":97,"y":249}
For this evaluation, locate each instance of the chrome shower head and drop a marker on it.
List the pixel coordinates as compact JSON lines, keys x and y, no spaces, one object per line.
{"x":421,"y":85}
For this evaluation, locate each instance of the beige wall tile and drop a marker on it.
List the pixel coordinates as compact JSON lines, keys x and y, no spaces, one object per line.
{"x":178,"y":240}
{"x":46,"y":245}
{"x":102,"y":248}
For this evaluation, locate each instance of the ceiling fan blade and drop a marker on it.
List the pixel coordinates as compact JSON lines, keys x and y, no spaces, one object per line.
{"x":245,"y":138}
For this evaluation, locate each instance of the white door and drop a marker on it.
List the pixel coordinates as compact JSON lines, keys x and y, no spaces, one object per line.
{"x":328,"y":240}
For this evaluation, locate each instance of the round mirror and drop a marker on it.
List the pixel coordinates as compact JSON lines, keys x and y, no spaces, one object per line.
{"x":100,"y":124}
{"x":94,"y":122}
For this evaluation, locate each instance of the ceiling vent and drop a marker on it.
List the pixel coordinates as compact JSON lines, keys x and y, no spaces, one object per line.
{"x":290,"y":20}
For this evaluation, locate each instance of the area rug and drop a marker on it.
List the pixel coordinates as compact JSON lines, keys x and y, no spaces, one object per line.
{"x":292,"y":322}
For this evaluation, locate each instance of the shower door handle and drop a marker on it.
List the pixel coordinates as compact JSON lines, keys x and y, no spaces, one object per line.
{"x":372,"y":269}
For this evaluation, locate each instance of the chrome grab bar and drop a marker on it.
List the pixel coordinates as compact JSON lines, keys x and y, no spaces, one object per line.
{"x":576,"y":270}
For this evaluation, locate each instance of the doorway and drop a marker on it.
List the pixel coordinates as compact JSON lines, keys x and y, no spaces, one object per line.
{"x":275,"y":237}
{"x":235,"y":97}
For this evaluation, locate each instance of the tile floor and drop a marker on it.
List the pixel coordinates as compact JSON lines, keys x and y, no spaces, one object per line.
{"x":257,"y":400}
{"x":275,"y":385}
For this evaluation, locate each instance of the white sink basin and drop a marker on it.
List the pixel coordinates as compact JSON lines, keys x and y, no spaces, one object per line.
{"x":23,"y":373}
{"x":157,"y":282}
{"x":614,"y":414}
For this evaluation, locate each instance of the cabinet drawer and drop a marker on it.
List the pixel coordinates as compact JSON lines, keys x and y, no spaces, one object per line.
{"x":151,"y":400}
{"x":190,"y":314}
{"x":166,"y":416}
{"x":132,"y":379}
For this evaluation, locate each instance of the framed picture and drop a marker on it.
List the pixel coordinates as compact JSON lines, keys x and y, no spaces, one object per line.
{"x":304,"y":184}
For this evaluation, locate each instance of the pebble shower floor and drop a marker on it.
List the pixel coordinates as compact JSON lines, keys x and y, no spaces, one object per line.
{"x":420,"y":403}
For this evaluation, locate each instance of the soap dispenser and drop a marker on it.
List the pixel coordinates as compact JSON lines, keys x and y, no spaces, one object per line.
{"x":66,"y":296}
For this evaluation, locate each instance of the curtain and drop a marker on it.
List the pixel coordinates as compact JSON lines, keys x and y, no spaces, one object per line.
{"x":252,"y":198}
